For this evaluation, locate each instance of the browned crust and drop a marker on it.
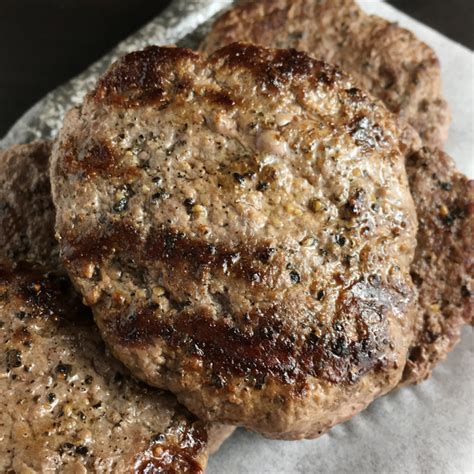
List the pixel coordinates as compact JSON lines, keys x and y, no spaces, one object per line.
{"x":383,"y":58}
{"x":154,"y":76}
{"x":173,"y":248}
{"x":267,"y":344}
{"x":98,"y":160}
{"x":443,"y":267}
{"x":273,"y":68}
{"x":139,"y":77}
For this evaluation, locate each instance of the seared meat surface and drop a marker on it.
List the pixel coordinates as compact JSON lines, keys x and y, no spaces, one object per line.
{"x":66,"y":405}
{"x":243,"y":229}
{"x":396,"y":67}
{"x":383,"y":58}
{"x":443,"y":268}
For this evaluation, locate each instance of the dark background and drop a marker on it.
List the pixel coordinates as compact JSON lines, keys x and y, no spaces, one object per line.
{"x":43,"y":43}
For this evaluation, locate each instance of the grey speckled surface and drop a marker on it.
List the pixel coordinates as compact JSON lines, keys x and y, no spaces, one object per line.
{"x":423,"y":429}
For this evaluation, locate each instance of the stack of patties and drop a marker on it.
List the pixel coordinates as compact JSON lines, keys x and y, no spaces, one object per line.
{"x":393,"y":65}
{"x":66,"y":404}
{"x":257,"y":233}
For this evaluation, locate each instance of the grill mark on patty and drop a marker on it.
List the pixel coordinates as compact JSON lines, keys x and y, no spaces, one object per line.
{"x":276,"y":68}
{"x":100,"y":159}
{"x":143,"y":77}
{"x":267,"y":346}
{"x":172,"y":247}
{"x":220,"y":97}
{"x":176,"y":450}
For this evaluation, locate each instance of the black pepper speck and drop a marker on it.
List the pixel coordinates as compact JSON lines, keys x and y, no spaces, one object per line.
{"x":161,"y":195}
{"x":295,"y":277}
{"x":121,"y":205}
{"x":82,"y":450}
{"x":340,"y":240}
{"x":13,"y":359}
{"x":158,"y":438}
{"x":445,"y":186}
{"x":239,"y":178}
{"x":217,"y":380}
{"x":188,"y":204}
{"x":63,"y":370}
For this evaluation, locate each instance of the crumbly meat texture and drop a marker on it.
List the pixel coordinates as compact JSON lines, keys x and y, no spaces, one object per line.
{"x":383,"y":58}
{"x":66,"y":404}
{"x":26,"y":209}
{"x":443,"y":268}
{"x":242,"y":227}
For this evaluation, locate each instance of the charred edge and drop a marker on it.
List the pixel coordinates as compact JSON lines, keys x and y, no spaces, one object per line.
{"x":141,"y":78}
{"x":266,"y":346}
{"x":176,"y":450}
{"x":274,"y":67}
{"x":172,"y":247}
{"x":45,"y":294}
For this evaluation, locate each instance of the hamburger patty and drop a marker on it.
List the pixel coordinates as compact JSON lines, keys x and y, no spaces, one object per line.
{"x":66,"y":404}
{"x":26,"y":210}
{"x":383,"y":58}
{"x":443,"y":268}
{"x":242,"y":227}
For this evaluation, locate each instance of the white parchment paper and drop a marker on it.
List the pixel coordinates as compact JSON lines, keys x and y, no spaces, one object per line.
{"x":424,"y":429}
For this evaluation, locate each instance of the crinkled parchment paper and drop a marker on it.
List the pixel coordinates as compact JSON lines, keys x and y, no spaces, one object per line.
{"x":423,"y":429}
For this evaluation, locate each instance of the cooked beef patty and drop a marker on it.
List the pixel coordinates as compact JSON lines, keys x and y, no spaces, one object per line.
{"x":66,"y":404}
{"x":242,"y":227}
{"x":443,"y":268}
{"x":26,"y":209}
{"x":383,"y":58}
